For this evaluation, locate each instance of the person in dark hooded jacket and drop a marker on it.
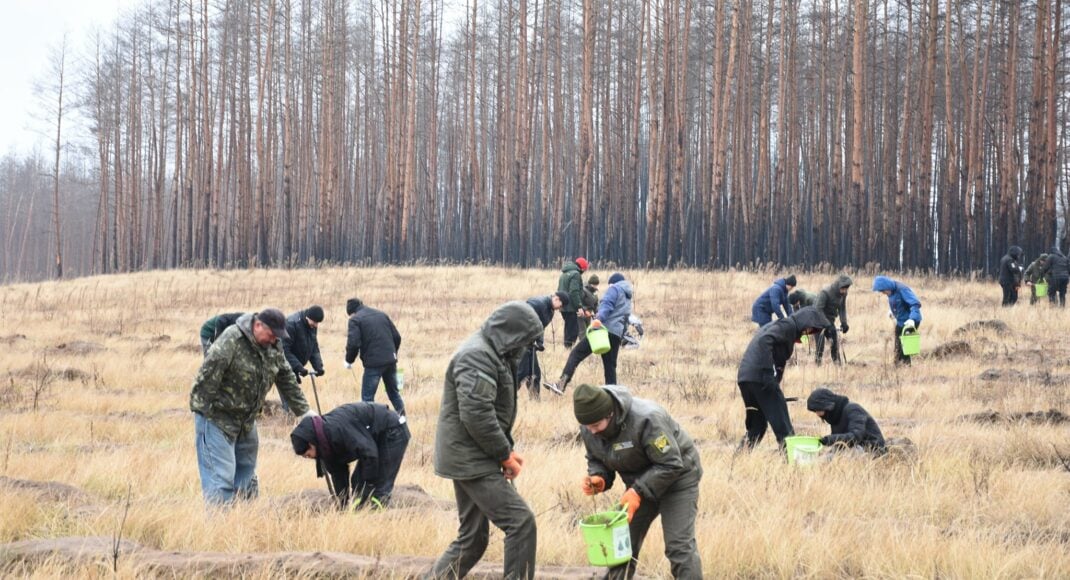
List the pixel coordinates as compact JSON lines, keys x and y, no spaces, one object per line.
{"x":761,"y":372}
{"x":529,"y":371}
{"x":474,"y":444}
{"x":800,"y":299}
{"x":773,"y":301}
{"x":613,"y":312}
{"x":832,"y":302}
{"x":852,"y":425}
{"x":368,"y":433}
{"x":213,"y":328}
{"x":659,"y":468}
{"x":1058,"y":275}
{"x":1036,"y":272}
{"x":1010,"y":275}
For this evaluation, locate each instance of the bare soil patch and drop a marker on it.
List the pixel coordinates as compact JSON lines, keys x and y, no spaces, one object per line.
{"x":1051,"y":416}
{"x":76,"y":347}
{"x":52,"y":491}
{"x":972,"y":328}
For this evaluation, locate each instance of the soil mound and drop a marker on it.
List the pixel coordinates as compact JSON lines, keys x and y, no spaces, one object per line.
{"x":52,"y":491}
{"x":1051,"y":416}
{"x":404,"y":496}
{"x":149,"y":562}
{"x":995,"y":326}
{"x":954,"y":348}
{"x":1015,"y":375}
{"x":11,"y":339}
{"x":76,"y":347}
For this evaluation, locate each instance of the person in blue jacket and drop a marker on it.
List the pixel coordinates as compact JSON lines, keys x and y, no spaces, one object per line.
{"x":904,"y":307}
{"x":613,"y":312}
{"x":772,"y":301}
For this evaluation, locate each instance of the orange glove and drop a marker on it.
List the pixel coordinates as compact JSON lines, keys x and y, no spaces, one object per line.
{"x":631,"y":501}
{"x":593,"y":484}
{"x":511,"y":466}
{"x":596,"y":323}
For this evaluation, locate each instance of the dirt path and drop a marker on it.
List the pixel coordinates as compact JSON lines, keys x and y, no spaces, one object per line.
{"x":97,"y":551}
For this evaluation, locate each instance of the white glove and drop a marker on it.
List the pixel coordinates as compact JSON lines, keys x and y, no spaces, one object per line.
{"x":908,"y":325}
{"x":309,"y":413}
{"x":349,"y":365}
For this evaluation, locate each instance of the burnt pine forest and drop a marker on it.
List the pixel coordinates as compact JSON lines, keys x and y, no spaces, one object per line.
{"x":913,"y":134}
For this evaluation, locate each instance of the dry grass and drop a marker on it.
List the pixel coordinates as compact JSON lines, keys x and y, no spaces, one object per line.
{"x":980,"y":500}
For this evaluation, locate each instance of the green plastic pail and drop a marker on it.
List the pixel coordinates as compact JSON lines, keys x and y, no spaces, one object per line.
{"x":1040,"y":289}
{"x":599,"y":340}
{"x":911,"y":342}
{"x":802,"y":449}
{"x":609,"y":543}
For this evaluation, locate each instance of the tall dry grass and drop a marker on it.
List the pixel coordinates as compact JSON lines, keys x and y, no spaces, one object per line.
{"x":978,"y":501}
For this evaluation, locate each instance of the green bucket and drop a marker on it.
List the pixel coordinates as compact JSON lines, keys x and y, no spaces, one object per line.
{"x":911,"y":342}
{"x":1040,"y":289}
{"x":609,"y":542}
{"x":802,"y":449}
{"x":804,"y":339}
{"x":598,"y":339}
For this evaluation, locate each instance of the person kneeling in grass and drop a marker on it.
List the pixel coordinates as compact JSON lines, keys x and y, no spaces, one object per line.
{"x":368,"y":433}
{"x":852,"y":426}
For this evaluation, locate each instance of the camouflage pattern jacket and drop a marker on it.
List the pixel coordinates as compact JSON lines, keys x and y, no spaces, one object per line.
{"x":236,"y":376}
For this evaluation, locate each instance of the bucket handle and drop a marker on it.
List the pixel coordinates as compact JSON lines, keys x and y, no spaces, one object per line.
{"x":909,"y":331}
{"x":623,"y":511}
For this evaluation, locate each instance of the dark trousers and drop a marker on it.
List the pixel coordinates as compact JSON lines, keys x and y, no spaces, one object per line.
{"x":529,"y":369}
{"x":901,"y":358}
{"x":677,"y":509}
{"x":380,"y":483}
{"x":582,"y":350}
{"x":1010,"y":294}
{"x":834,"y":344}
{"x":370,"y":384}
{"x":765,"y":406}
{"x":572,"y":328}
{"x":1057,"y":287}
{"x":480,"y":501}
{"x":1032,"y":295}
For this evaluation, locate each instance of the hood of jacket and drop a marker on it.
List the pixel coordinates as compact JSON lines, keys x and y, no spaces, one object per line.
{"x":829,"y":402}
{"x":571,"y":266}
{"x":809,"y":317}
{"x":626,"y":287}
{"x":511,"y":327}
{"x":882,"y":283}
{"x":782,"y":283}
{"x":843,"y":281}
{"x":1015,"y":252}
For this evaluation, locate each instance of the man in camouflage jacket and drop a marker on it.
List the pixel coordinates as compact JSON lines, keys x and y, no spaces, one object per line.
{"x":227,"y":396}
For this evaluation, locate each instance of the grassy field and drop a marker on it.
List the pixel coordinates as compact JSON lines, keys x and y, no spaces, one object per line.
{"x":108,"y":363}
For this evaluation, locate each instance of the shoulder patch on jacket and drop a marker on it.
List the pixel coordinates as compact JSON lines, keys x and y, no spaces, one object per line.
{"x":661,"y":443}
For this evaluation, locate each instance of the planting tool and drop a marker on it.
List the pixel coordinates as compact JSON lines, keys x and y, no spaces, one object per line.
{"x":320,"y":468}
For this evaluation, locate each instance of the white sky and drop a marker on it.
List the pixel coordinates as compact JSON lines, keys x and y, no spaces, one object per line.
{"x":28,"y":28}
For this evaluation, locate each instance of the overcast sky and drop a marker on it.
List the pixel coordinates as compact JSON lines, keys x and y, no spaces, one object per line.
{"x":28,"y":28}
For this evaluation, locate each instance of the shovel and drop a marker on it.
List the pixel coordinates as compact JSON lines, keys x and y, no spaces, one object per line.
{"x":320,"y":468}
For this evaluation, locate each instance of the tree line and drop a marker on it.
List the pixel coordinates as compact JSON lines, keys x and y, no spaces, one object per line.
{"x":914,"y":134}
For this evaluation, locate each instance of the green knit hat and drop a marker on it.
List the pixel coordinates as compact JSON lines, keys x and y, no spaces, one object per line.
{"x":591,"y":404}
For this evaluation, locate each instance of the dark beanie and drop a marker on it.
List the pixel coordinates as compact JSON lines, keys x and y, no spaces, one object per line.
{"x":616,"y":277}
{"x":791,"y":281}
{"x":591,"y":404}
{"x":563,"y":297}
{"x":315,"y":313}
{"x":303,"y":435}
{"x":593,"y":280}
{"x":353,"y":305}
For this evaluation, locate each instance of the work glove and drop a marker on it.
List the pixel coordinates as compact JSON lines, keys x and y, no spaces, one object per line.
{"x":824,"y":440}
{"x":593,"y":484}
{"x":539,"y":347}
{"x":349,"y":365}
{"x":631,"y":501}
{"x":909,"y":325}
{"x":298,"y":377}
{"x":321,"y":372}
{"x":596,"y":323}
{"x":511,"y":467}
{"x":301,"y":372}
{"x":308,"y":413}
{"x":844,"y":328}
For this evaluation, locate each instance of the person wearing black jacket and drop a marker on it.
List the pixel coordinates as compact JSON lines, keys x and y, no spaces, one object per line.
{"x":368,"y":433}
{"x":1058,"y":275}
{"x":852,"y":426}
{"x":214,"y":326}
{"x":529,"y":370}
{"x":302,"y":346}
{"x":1010,"y":275}
{"x":762,"y":370}
{"x":373,"y":337}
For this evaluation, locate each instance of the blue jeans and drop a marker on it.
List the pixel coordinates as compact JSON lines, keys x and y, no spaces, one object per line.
{"x":389,"y":376}
{"x":227,"y":468}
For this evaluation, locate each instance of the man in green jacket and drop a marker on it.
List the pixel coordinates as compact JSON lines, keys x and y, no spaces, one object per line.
{"x":657,"y":462}
{"x":571,"y":283}
{"x":832,"y":302}
{"x":227,"y":396}
{"x":1036,"y":272}
{"x":474,"y":444}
